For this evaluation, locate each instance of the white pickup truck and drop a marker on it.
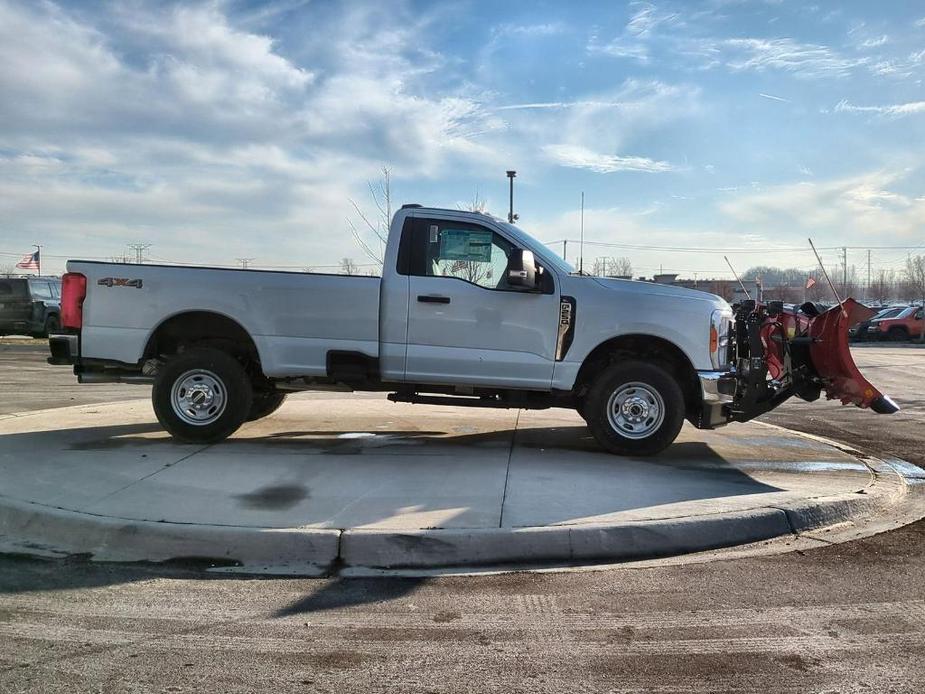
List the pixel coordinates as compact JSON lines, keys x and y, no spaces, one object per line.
{"x":469,"y":310}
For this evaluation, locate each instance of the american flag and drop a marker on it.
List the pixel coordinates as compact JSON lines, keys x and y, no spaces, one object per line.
{"x":811,"y":282}
{"x":29,"y":262}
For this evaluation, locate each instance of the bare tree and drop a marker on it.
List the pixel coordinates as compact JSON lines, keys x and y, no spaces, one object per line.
{"x":477,"y":204}
{"x":348,"y":267}
{"x":621,"y":267}
{"x":915,"y":276}
{"x":883,"y":286}
{"x":371,"y":230}
{"x":612,"y":267}
{"x":7,"y":271}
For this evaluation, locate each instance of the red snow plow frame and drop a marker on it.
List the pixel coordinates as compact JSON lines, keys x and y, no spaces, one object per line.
{"x":779,"y":353}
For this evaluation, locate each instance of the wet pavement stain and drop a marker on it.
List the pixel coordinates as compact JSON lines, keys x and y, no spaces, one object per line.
{"x":274,"y":497}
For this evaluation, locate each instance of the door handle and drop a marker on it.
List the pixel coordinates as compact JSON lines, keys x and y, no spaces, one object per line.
{"x":433,"y":299}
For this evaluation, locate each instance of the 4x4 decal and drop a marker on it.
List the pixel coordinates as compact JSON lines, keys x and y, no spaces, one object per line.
{"x":119,"y":282}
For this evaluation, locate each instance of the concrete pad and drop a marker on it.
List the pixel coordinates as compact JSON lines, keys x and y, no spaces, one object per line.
{"x":356,"y":480}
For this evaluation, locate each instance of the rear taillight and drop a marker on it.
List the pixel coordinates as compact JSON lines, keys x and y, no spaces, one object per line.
{"x":73,"y":293}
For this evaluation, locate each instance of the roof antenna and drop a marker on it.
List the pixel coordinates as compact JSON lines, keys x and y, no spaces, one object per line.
{"x":734,"y":274}
{"x":828,"y":279}
{"x":581,"y":237}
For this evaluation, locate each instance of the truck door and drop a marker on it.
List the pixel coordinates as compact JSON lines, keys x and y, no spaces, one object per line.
{"x":466,"y":324}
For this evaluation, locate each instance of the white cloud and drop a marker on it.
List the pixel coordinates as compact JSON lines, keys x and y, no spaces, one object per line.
{"x":891,"y":110}
{"x":634,"y":41}
{"x":874,"y":42}
{"x":773,"y":98}
{"x":160,"y":121}
{"x":529,"y":30}
{"x":858,"y":207}
{"x":801,"y":59}
{"x":579,"y":157}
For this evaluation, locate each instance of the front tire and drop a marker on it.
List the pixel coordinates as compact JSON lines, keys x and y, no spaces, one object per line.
{"x":202,"y":396}
{"x":634,"y":408}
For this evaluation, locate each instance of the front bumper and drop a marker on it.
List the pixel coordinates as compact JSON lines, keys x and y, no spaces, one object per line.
{"x":717,"y":393}
{"x":717,"y":386}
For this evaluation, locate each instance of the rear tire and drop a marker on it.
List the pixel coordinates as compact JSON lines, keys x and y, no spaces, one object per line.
{"x":634,"y":408}
{"x":264,"y":404}
{"x":202,"y":395}
{"x":52,"y":325}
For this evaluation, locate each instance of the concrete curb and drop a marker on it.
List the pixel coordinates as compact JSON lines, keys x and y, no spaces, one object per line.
{"x":28,"y":528}
{"x":558,"y":543}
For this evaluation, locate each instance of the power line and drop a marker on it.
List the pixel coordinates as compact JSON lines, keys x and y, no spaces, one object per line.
{"x":139,"y":249}
{"x":756,"y":249}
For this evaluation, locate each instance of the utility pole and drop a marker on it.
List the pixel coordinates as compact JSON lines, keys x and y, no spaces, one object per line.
{"x":565,"y":250}
{"x":511,"y":217}
{"x":844,"y":270}
{"x":868,"y":273}
{"x":139,"y":249}
{"x":244,"y":262}
{"x":581,"y":237}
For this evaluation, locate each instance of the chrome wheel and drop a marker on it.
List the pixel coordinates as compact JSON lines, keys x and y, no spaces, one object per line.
{"x":198,"y":397}
{"x":635,"y":410}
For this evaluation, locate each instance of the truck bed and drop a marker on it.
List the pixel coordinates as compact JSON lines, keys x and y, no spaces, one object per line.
{"x":294,"y":318}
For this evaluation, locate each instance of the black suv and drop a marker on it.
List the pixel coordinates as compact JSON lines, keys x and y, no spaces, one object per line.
{"x":30,"y":305}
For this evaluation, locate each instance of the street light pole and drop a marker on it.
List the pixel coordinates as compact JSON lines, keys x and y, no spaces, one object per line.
{"x":511,"y":217}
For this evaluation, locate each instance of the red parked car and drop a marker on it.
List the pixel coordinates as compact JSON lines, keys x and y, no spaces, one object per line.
{"x":906,"y":324}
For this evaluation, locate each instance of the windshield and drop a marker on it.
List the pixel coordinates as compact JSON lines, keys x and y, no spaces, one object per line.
{"x":543,"y":251}
{"x":887,"y":313}
{"x":905,"y":312}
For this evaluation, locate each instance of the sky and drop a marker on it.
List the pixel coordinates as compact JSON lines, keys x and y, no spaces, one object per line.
{"x":222,"y":130}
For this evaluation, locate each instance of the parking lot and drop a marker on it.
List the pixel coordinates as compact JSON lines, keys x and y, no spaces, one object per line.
{"x":842,"y":617}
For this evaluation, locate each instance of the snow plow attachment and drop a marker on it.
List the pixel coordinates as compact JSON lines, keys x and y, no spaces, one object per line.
{"x":832,"y":360}
{"x":802,"y":351}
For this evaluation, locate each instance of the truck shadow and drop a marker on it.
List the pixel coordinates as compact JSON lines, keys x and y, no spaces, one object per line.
{"x":21,"y":575}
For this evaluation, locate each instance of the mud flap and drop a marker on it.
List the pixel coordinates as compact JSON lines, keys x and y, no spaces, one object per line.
{"x":830,"y":358}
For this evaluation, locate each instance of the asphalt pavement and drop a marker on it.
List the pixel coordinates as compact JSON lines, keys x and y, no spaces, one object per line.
{"x":841,"y":618}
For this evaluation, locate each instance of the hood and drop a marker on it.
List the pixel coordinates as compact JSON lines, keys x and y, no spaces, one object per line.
{"x":654,"y":289}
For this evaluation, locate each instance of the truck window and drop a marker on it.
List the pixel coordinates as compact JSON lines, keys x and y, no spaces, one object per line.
{"x":463,"y":251}
{"x":40,"y":290}
{"x":12,"y":287}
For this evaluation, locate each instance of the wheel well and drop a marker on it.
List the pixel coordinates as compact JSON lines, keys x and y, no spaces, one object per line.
{"x":179,"y":332}
{"x":647,"y":348}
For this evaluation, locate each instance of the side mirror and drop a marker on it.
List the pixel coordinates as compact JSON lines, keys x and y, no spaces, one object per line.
{"x":521,"y":269}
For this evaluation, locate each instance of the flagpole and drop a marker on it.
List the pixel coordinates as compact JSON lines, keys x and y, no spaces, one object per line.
{"x":39,"y":256}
